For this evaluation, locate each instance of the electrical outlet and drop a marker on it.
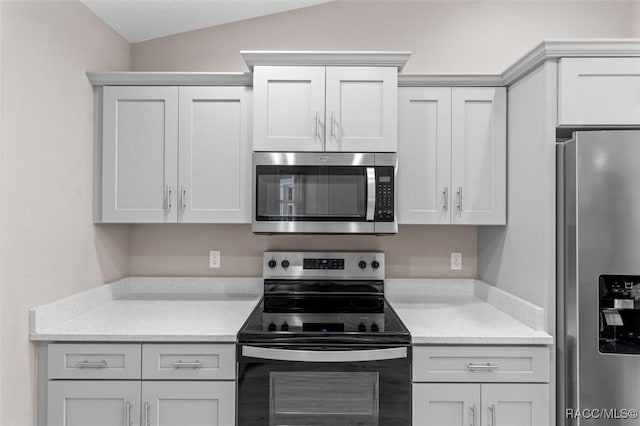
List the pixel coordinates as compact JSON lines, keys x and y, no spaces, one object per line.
{"x":456,"y":261}
{"x":214,"y":259}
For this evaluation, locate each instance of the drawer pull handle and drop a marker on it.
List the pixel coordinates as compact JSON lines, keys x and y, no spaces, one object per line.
{"x":482,"y":367}
{"x":92,"y":364}
{"x":181,"y":364}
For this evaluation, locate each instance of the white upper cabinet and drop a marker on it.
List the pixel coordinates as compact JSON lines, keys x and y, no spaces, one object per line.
{"x":288,"y":108}
{"x":452,"y":156}
{"x":361,"y":109}
{"x":352,"y":109}
{"x":479,"y":156}
{"x":139,"y":154}
{"x":599,"y":92}
{"x":174,"y":154}
{"x":424,"y":155}
{"x":214,"y":169}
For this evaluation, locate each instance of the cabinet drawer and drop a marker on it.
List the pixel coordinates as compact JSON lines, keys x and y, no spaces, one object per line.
{"x":480,"y":364}
{"x":188,"y":362}
{"x":93,"y":361}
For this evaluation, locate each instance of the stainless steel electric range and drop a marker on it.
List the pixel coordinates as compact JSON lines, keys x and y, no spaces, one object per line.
{"x":324,"y":348}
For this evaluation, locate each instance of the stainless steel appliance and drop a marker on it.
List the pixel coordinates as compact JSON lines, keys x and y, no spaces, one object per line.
{"x":336,"y":192}
{"x":324,"y":348}
{"x":599,"y":279}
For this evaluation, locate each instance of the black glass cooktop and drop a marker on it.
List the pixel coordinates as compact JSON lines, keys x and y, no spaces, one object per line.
{"x":324,"y":319}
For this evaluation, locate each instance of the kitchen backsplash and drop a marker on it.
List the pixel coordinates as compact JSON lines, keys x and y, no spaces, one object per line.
{"x":415,"y":252}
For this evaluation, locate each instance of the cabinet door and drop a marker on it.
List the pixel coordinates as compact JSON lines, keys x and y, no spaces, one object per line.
{"x":93,"y":402}
{"x":479,"y":156}
{"x":139,"y":154}
{"x":444,"y":404}
{"x":599,"y":92}
{"x":214,"y":152}
{"x":288,"y":108}
{"x":362,"y":109}
{"x":515,"y":404}
{"x":424,"y":155}
{"x":188,"y":403}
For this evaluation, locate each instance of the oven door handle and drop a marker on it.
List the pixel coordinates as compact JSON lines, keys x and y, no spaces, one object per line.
{"x":371,"y":193}
{"x":324,"y":356}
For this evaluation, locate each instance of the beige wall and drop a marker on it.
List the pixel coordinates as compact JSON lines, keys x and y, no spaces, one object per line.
{"x":635,"y":18}
{"x":446,"y":36}
{"x":50,"y":248}
{"x":416,"y":251}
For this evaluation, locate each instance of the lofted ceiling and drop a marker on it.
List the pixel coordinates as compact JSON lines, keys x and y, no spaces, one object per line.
{"x":140,"y":20}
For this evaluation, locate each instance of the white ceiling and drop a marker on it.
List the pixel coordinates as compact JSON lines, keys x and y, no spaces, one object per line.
{"x":140,"y":20}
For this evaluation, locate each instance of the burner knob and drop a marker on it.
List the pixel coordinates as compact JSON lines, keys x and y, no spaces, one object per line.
{"x":272,"y":263}
{"x":362,"y":264}
{"x":272,"y":327}
{"x":375,"y":264}
{"x":285,"y":264}
{"x":375,"y":328}
{"x":284,"y":326}
{"x":362,"y":328}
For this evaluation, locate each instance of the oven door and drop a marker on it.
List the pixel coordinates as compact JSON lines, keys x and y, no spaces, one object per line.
{"x":321,"y":192}
{"x":324,"y":386}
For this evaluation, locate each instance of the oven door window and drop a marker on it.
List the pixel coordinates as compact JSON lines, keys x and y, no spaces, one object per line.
{"x":321,"y":398}
{"x":311,"y":193}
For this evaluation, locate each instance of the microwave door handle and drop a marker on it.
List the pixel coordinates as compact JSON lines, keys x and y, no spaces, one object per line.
{"x":371,"y":193}
{"x":324,"y":356}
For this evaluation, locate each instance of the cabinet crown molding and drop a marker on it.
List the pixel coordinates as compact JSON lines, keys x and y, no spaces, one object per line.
{"x":570,"y":48}
{"x":125,"y":78}
{"x":325,"y":58}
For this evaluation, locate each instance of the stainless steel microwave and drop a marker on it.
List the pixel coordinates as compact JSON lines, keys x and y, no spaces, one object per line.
{"x":324,"y":193}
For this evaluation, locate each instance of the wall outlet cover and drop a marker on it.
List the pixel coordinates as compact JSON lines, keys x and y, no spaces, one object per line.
{"x":456,"y":261}
{"x":214,"y":259}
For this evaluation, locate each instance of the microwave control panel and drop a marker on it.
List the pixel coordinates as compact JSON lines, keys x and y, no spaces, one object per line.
{"x":384,"y":195}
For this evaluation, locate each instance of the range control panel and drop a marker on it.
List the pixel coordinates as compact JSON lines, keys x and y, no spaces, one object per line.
{"x":311,"y":265}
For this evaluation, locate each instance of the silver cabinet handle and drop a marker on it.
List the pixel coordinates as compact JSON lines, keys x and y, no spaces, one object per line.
{"x":169,"y":205}
{"x":371,"y":193}
{"x":482,"y":367}
{"x":473,"y":415}
{"x":317,"y":124}
{"x":147,"y":414}
{"x":324,"y":356}
{"x":333,"y":132}
{"x":184,"y":198}
{"x":92,"y":364}
{"x":129,"y":420}
{"x":492,"y":411}
{"x":445,"y":198}
{"x":459,"y":199}
{"x":183,"y":364}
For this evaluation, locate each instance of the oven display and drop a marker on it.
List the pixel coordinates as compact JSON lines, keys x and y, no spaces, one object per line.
{"x":323,"y":264}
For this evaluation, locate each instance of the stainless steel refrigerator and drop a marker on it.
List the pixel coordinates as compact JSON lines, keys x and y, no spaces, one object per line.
{"x":599,"y":279}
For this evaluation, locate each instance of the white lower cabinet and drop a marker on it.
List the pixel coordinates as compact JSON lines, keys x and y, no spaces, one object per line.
{"x":93,"y":402}
{"x":188,"y":403}
{"x":481,"y":386}
{"x":474,"y":404}
{"x":186,"y":397}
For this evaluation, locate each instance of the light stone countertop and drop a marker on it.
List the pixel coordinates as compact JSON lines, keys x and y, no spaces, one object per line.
{"x":180,"y":309}
{"x":465,"y":312}
{"x":150,"y":310}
